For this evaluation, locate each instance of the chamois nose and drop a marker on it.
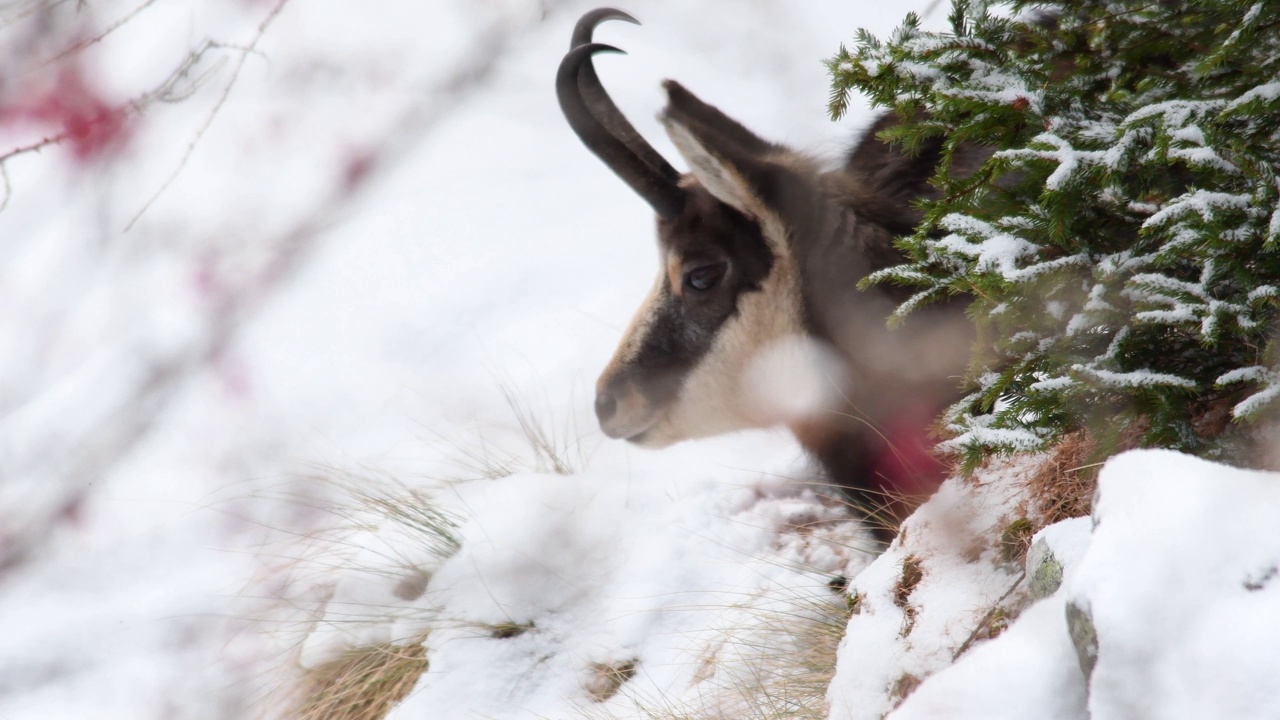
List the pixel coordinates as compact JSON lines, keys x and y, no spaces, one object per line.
{"x":606,"y":407}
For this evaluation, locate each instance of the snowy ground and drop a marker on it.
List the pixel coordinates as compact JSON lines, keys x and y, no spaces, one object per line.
{"x":356,"y":264}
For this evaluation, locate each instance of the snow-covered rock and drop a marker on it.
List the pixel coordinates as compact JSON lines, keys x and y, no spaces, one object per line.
{"x":1164,"y":605}
{"x":1030,"y":670}
{"x":1181,"y":583}
{"x":946,"y":581}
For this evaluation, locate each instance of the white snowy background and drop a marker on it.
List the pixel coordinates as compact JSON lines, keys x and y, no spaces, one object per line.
{"x":344,"y":242}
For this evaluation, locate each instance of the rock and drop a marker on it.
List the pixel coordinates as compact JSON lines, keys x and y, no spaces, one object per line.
{"x":1044,"y":570}
{"x":1084,"y":636}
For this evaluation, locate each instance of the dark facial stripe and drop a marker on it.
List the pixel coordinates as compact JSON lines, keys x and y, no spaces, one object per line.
{"x":684,"y":322}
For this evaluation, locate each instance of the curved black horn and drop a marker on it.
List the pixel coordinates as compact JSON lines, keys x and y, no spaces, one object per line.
{"x":587,"y":24}
{"x":601,"y":104}
{"x":603,"y":129}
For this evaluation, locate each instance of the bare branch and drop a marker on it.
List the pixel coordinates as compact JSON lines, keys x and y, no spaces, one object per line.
{"x":77,"y":47}
{"x":33,"y":147}
{"x":213,"y":112}
{"x":120,"y":430}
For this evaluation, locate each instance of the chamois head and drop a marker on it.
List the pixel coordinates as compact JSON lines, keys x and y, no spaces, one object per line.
{"x":727,"y":298}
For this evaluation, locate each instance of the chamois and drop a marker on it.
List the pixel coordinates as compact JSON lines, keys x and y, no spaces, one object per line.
{"x":755,"y":318}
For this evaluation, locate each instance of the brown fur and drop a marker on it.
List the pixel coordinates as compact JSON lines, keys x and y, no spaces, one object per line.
{"x":834,"y":229}
{"x":788,"y":245}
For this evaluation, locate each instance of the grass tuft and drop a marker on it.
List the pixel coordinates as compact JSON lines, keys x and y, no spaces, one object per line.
{"x":1063,"y":485}
{"x":560,"y":453}
{"x":362,"y":684}
{"x":902,"y":687}
{"x":606,"y":679}
{"x":1015,"y":541}
{"x":912,"y":574}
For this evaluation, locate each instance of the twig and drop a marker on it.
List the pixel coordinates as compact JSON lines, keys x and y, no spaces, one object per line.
{"x":33,"y":147}
{"x":213,"y":112}
{"x":114,"y":436}
{"x":987,"y":617}
{"x":102,"y":35}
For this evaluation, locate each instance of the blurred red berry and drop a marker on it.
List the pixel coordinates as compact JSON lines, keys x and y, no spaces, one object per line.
{"x":91,"y":127}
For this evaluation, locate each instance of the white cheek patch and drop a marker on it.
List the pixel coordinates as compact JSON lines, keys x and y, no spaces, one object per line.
{"x":793,"y":378}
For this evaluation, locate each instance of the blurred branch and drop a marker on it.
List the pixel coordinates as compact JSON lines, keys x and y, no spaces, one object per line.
{"x":77,"y":47}
{"x":213,"y":112}
{"x":172,"y":89}
{"x":31,"y":8}
{"x":4,"y":171}
{"x":117,"y":432}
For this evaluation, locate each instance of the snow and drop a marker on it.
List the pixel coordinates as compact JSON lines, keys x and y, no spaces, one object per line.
{"x":995,"y":250}
{"x":903,"y":631}
{"x":1052,"y":384}
{"x":609,"y":574}
{"x":1134,"y":378}
{"x":1265,"y":92}
{"x":1201,"y":202}
{"x":1014,"y":438}
{"x":1173,"y":113}
{"x":384,"y":224}
{"x":1068,"y":158}
{"x":1193,"y":302}
{"x":1178,"y":582}
{"x":1030,"y":670}
{"x":1273,"y":227}
{"x":1253,"y":404}
{"x":1028,"y":673}
{"x":387,"y":266}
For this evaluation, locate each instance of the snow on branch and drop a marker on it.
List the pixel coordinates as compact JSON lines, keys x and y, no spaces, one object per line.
{"x":1201,"y":202}
{"x":1068,"y":158}
{"x":1267,"y":92}
{"x":1125,"y":218}
{"x":1134,"y":379}
{"x":1250,"y":407}
{"x":1015,"y":439}
{"x":994,"y":249}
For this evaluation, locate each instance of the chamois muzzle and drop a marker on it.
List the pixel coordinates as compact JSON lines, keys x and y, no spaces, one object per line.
{"x":624,"y":412}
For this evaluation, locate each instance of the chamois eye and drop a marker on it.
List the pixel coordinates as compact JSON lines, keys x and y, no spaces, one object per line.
{"x":704,"y":278}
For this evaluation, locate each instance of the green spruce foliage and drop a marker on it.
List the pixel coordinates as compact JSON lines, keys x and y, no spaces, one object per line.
{"x":1122,"y":242}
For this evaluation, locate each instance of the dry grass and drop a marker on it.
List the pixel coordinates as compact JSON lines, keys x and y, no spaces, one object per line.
{"x":796,"y":660}
{"x":1015,"y":541}
{"x":378,"y":530}
{"x":902,"y":687}
{"x":413,"y":510}
{"x":912,"y":574}
{"x":362,"y":684}
{"x":532,"y":440}
{"x":558,"y":452}
{"x":605,"y":679}
{"x":1063,"y":485}
{"x":385,"y":529}
{"x":779,"y":667}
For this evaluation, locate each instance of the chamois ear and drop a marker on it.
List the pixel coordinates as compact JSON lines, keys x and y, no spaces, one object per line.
{"x":730,"y":161}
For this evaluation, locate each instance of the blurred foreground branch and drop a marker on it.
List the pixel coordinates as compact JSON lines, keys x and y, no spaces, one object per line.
{"x":73,"y":462}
